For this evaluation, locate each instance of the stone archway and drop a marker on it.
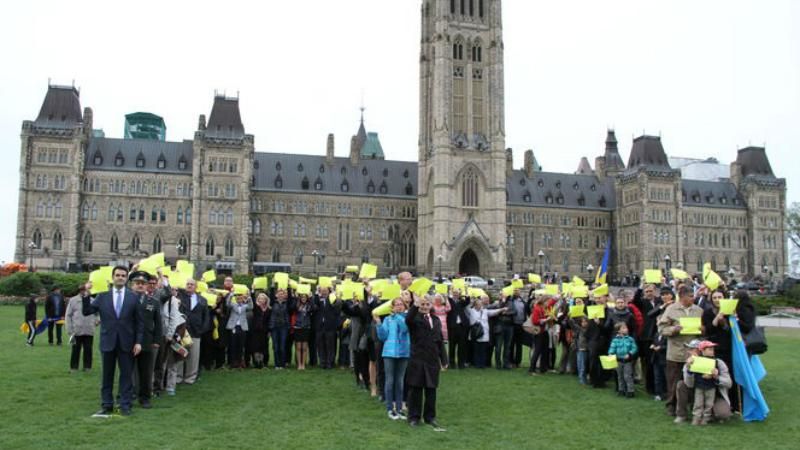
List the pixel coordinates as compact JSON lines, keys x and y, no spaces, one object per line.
{"x":469,"y":264}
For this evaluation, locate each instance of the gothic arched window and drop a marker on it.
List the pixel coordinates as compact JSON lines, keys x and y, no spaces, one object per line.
{"x":469,"y":188}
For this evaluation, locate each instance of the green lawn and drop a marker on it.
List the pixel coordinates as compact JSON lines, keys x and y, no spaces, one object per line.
{"x":44,"y":406}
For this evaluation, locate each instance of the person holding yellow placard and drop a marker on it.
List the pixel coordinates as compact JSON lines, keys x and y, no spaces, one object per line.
{"x":326,"y":327}
{"x":541,"y":348}
{"x":394,"y":334}
{"x":239,"y":305}
{"x":301,"y":329}
{"x":457,"y":328}
{"x":710,"y":382}
{"x":669,"y":326}
{"x":279,"y":326}
{"x":258,"y":337}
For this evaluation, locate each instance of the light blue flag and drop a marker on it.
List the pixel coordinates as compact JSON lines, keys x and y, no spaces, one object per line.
{"x":754,"y":406}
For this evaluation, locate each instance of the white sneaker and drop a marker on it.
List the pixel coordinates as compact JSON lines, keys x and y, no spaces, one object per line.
{"x":657,"y":398}
{"x":393,"y":416}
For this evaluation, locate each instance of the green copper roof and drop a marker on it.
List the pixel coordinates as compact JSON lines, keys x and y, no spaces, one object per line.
{"x":372,"y":148}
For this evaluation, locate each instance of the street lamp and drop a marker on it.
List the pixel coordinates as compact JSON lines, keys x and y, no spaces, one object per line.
{"x":440,"y":258}
{"x":315,"y":254}
{"x":32,"y":246}
{"x":590,"y":270}
{"x":541,"y":262}
{"x":667,"y":263}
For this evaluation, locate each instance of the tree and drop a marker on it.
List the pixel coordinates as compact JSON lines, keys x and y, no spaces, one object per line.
{"x":793,"y":223}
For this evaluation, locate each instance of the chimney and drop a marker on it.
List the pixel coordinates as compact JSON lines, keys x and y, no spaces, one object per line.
{"x":355,"y":150}
{"x":600,"y":167}
{"x":329,"y":149}
{"x":529,"y":164}
{"x":201,"y":123}
{"x":88,"y":119}
{"x":736,"y":174}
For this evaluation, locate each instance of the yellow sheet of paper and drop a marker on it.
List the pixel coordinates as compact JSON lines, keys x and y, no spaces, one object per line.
{"x":378,"y":286}
{"x":351,"y":269}
{"x":303,"y":289}
{"x":706,"y":269}
{"x":209,"y":276}
{"x":345,"y":291}
{"x":600,"y":290}
{"x":384,"y":309}
{"x":712,"y":280}
{"x":281,"y":279}
{"x":211,"y":298}
{"x":420,"y":286}
{"x":539,"y":292}
{"x":325,"y":282}
{"x":178,"y":280}
{"x":566,"y":288}
{"x":690,"y":325}
{"x":679,"y":274}
{"x":551,"y":289}
{"x":202,"y":286}
{"x":390,"y":292}
{"x":596,"y":312}
{"x":108,"y":272}
{"x":703,"y":365}
{"x":293,"y":284}
{"x":475,"y":293}
{"x":577,"y":281}
{"x":149,"y":266}
{"x":302,"y":280}
{"x":508,"y":291}
{"x":185,"y":267}
{"x":441,"y":289}
{"x":240,"y":289}
{"x":609,"y":362}
{"x":580,"y":291}
{"x":652,"y":276}
{"x":332,"y":298}
{"x":368,"y":271}
{"x":611,"y":305}
{"x":358,"y":294}
{"x":458,"y":283}
{"x":517,"y":284}
{"x":166,"y":271}
{"x":99,"y":282}
{"x":728,"y":306}
{"x":533,"y":278}
{"x":260,"y":283}
{"x":577,"y":311}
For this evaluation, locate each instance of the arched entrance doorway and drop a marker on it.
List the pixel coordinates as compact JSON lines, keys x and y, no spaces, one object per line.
{"x":469,"y":264}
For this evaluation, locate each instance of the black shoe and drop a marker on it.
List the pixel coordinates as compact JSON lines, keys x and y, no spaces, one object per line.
{"x":413,"y":423}
{"x":435,"y":425}
{"x":145,"y":404}
{"x":630,"y":395}
{"x":104,"y":412}
{"x":125,"y":412}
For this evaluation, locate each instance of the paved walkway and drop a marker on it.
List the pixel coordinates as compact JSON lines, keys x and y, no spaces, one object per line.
{"x":780,"y":322}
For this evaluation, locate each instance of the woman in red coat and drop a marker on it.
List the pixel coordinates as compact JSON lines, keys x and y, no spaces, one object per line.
{"x":540,"y":344}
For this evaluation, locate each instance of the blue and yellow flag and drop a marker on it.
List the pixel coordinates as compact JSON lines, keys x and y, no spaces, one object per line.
{"x":748,"y":371}
{"x":603,"y":270}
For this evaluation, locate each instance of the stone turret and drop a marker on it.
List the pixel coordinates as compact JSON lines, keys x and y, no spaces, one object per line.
{"x":329,"y":149}
{"x":530,"y":165}
{"x":201,"y":122}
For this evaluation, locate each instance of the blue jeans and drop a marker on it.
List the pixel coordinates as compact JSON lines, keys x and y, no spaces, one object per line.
{"x":279,"y":335}
{"x":395,"y":369}
{"x":582,"y":356}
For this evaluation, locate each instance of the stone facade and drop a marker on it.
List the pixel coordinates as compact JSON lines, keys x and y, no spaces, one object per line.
{"x":87,"y":200}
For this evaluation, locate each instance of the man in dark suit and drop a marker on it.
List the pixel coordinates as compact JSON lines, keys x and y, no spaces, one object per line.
{"x":427,"y":358}
{"x":150,"y":312}
{"x":198,"y":321}
{"x":326,"y":326}
{"x":121,"y":333}
{"x":457,"y":329}
{"x":54,"y":309}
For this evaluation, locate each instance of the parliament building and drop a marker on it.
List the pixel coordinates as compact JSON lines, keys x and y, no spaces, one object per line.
{"x":88,"y":200}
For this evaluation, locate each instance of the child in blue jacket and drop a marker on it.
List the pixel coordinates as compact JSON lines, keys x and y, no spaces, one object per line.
{"x":624,"y":348}
{"x":393,"y":332}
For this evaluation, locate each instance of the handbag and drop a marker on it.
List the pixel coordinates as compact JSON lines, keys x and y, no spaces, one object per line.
{"x":530,"y":328}
{"x":475,"y":331}
{"x":756,"y":341}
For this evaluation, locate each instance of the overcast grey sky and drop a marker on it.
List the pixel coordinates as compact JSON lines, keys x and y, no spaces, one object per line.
{"x":710,"y":76}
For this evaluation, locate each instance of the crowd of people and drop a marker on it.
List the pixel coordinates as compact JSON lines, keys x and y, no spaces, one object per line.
{"x":160,"y":337}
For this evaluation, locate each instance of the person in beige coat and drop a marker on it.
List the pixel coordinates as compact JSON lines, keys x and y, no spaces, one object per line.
{"x":80,"y":330}
{"x":669,"y":326}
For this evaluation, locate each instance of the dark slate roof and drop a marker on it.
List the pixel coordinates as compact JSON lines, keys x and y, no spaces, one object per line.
{"x":294,"y":168}
{"x":584,"y":168}
{"x":711,"y":194}
{"x":754,"y":161}
{"x":613,"y":160}
{"x":648,"y":151}
{"x":130,"y":149}
{"x":225,"y":121}
{"x":576,"y":191}
{"x":61,"y":108}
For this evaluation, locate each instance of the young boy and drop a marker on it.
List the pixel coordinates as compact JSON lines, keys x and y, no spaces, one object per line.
{"x":706,"y":386}
{"x":624,"y":348}
{"x":579,"y":328}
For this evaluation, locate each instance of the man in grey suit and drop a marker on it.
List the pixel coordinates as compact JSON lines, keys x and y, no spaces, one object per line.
{"x":121,"y":334}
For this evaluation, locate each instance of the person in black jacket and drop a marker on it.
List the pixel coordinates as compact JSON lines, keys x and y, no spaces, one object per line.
{"x":150,"y":312}
{"x":195,"y":308}
{"x":326,"y":326}
{"x":457,"y":329}
{"x":427,"y":359}
{"x":280,"y":305}
{"x":54,"y":309}
{"x":30,"y":319}
{"x":646,"y":300}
